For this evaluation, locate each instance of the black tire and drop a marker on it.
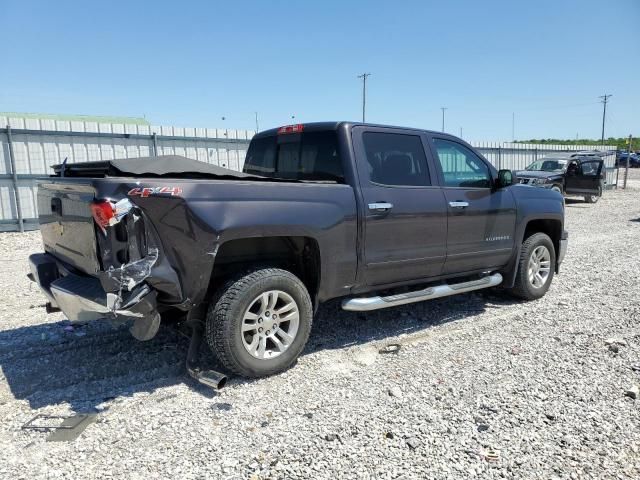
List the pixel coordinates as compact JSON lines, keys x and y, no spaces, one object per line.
{"x":523,"y":288}
{"x":225,"y":315}
{"x":593,"y":198}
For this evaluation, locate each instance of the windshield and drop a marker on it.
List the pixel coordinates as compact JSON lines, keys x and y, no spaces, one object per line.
{"x":548,"y":166}
{"x":296,"y":156}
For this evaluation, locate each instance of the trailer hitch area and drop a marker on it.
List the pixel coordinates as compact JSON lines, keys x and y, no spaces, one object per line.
{"x":210,"y":378}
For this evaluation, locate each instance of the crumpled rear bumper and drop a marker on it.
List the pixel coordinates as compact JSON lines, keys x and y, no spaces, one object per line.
{"x":82,"y":298}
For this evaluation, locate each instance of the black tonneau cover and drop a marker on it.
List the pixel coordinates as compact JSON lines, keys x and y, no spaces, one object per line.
{"x":160,"y":166}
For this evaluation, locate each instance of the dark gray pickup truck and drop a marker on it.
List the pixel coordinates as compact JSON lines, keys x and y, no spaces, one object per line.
{"x":377,"y":215}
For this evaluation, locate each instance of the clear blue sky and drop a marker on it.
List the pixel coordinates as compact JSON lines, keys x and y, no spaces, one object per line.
{"x":189,"y":63}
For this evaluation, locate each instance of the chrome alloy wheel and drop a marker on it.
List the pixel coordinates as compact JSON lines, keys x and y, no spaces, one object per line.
{"x":270,"y":324}
{"x":539,"y":267}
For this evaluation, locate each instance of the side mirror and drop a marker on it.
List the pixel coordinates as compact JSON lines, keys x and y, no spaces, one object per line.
{"x":506,"y":178}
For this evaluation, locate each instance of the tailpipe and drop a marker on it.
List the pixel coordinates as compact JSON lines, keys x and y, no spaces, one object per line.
{"x":210,"y":378}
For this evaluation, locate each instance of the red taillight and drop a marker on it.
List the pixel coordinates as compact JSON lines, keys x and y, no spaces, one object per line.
{"x":103,"y":212}
{"x":291,"y":129}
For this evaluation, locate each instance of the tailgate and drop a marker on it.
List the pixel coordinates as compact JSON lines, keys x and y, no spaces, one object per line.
{"x":66,"y":223}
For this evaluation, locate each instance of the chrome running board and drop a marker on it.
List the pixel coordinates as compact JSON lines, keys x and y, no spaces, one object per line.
{"x":375,"y":303}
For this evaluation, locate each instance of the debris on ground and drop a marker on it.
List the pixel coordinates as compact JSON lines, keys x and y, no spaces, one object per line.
{"x":395,"y":392}
{"x":62,"y":428}
{"x":633,"y":392}
{"x":413,"y":442}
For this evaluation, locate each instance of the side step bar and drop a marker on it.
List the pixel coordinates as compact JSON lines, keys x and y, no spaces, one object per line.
{"x":375,"y":303}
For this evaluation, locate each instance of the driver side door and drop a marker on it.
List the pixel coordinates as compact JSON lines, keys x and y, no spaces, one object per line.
{"x":586,"y":179}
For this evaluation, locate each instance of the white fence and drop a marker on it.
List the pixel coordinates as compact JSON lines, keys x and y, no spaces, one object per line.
{"x":37,"y":144}
{"x":29,"y":147}
{"x":517,"y":156}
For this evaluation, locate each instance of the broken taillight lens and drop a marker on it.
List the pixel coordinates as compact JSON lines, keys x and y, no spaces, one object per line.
{"x":103,"y":213}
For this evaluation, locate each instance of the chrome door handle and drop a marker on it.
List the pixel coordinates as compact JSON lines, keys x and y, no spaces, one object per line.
{"x":380,"y":206}
{"x":458,"y":204}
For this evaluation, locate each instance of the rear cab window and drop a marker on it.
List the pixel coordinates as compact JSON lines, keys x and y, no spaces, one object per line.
{"x":296,"y":156}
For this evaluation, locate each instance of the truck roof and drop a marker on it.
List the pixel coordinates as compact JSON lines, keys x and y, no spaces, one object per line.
{"x":323,"y":126}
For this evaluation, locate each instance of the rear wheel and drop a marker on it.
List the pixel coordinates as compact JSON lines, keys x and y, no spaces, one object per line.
{"x":260,"y":322}
{"x":535,"y":267}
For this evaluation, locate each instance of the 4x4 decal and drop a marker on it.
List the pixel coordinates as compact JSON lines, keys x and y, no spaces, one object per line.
{"x":148,"y":191}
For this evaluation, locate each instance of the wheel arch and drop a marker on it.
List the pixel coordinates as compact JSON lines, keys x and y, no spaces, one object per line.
{"x":549,"y":225}
{"x":298,"y":254}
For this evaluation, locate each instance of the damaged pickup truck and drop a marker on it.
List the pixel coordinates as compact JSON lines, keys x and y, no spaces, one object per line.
{"x":379,"y":216}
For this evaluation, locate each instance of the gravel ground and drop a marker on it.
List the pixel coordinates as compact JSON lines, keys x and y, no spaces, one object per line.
{"x":482,"y":387}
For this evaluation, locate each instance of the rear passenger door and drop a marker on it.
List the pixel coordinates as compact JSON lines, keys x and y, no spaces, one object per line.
{"x":481,"y":219}
{"x":405,"y":215}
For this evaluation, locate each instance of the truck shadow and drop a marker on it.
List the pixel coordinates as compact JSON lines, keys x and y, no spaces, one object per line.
{"x":47,"y":364}
{"x":575,"y":202}
{"x":335,"y":328}
{"x":89,"y":366}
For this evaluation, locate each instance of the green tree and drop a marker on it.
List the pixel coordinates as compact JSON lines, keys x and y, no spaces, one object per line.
{"x":621,"y":143}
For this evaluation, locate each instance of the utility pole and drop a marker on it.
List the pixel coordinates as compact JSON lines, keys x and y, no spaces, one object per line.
{"x":513,"y":127}
{"x":460,"y":132}
{"x":364,"y":92}
{"x":257,"y":127}
{"x":626,"y":169}
{"x":443,"y":109}
{"x":605,"y":99}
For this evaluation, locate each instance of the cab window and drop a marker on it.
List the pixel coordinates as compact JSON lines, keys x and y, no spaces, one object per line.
{"x":297,"y":156}
{"x":590,"y":169}
{"x":460,"y":166}
{"x":396,"y":159}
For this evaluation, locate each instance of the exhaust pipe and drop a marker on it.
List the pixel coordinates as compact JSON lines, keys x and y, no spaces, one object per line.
{"x":210,"y":378}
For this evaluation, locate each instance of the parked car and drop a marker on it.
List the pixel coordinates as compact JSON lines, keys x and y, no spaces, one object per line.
{"x":588,"y":153}
{"x":621,"y":160}
{"x":380,"y":216}
{"x":567,"y":174}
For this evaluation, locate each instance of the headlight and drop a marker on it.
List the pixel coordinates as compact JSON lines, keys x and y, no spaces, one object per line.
{"x":541,"y":180}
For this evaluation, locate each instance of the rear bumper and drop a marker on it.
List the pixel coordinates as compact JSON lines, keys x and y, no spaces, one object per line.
{"x":564,"y":243}
{"x":82,"y":298}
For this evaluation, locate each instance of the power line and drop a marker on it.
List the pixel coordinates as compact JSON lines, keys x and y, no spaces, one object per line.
{"x":605,"y":100}
{"x":364,"y":92}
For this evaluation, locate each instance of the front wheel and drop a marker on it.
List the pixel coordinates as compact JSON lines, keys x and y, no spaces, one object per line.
{"x":593,"y":198}
{"x":535,"y":268}
{"x":260,"y":322}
